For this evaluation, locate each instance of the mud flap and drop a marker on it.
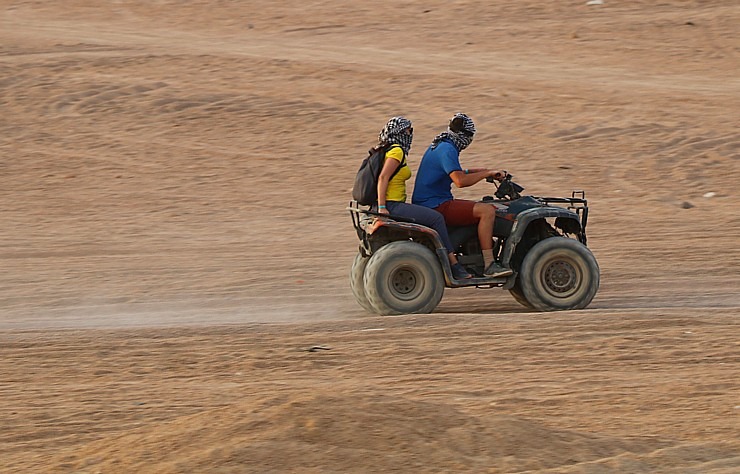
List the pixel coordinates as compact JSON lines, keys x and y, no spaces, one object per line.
{"x":510,"y":281}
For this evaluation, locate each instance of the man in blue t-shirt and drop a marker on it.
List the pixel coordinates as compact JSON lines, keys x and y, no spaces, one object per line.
{"x":439,"y":168}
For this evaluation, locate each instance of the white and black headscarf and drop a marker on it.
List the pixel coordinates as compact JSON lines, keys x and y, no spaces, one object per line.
{"x":392,"y":134}
{"x":460,"y":132}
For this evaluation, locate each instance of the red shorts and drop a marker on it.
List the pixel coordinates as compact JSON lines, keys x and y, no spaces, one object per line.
{"x":458,"y":212}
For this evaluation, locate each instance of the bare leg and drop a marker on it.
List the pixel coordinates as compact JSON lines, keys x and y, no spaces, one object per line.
{"x":485,"y":213}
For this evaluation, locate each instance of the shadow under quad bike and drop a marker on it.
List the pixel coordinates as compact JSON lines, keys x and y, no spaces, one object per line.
{"x":402,"y":267}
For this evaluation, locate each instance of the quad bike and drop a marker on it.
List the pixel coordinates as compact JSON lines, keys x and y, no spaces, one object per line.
{"x":402,"y":267}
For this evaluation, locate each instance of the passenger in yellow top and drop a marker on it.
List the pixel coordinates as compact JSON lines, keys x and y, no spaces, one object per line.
{"x":398,"y":135}
{"x":397,"y":184}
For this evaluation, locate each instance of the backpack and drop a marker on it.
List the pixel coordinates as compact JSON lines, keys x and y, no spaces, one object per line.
{"x":365,"y":189}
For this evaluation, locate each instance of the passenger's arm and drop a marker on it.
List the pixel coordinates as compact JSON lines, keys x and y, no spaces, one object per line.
{"x":389,"y":167}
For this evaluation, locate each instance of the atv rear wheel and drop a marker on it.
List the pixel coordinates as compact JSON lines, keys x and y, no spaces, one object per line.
{"x":356,"y":276}
{"x":403,"y":277}
{"x":559,"y":273}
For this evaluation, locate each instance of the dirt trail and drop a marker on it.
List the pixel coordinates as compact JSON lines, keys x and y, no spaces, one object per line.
{"x":173,"y":177}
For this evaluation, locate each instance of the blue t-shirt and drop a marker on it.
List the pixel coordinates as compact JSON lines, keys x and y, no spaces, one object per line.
{"x":433,"y":185}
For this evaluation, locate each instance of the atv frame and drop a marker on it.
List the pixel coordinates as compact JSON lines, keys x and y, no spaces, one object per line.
{"x":520,"y":225}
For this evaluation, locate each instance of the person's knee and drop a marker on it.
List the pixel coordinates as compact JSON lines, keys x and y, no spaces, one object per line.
{"x":485,"y":212}
{"x":439,"y":220}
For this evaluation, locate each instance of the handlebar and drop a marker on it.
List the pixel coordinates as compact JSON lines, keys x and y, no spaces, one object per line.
{"x":507,"y":188}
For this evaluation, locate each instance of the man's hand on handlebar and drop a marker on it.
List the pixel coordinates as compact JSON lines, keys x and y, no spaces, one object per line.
{"x":498,"y":175}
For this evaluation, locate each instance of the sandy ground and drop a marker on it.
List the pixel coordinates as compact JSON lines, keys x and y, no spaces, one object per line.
{"x":173,"y":178}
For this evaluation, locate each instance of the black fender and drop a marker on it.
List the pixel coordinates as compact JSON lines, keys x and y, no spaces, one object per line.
{"x":565,"y":219}
{"x":384,"y":230}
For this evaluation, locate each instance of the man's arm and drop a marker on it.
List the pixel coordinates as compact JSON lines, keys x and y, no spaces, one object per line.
{"x":473,"y":175}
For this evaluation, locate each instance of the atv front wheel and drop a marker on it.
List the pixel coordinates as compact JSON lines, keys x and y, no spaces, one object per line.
{"x":356,"y":276}
{"x":559,"y":273}
{"x":518,"y":294}
{"x":403,"y":277}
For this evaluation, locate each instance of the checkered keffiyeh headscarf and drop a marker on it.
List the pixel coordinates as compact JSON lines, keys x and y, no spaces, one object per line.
{"x":460,"y":132}
{"x":392,"y":134}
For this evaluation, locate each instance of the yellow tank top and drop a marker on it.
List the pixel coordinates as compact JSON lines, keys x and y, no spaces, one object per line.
{"x":397,"y":184}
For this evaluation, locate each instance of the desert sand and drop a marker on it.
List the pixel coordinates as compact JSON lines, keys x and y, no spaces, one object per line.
{"x":174,"y":239}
